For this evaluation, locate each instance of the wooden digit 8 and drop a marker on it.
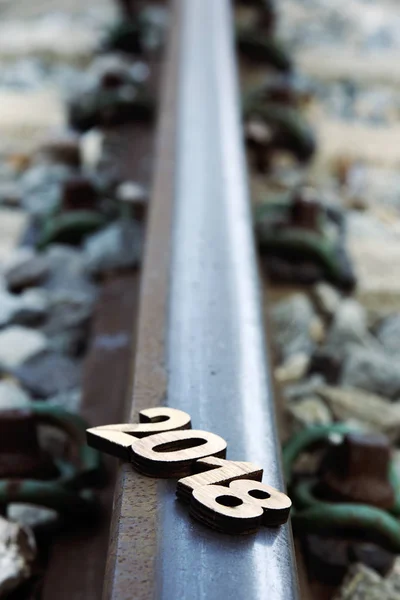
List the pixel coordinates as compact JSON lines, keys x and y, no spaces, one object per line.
{"x":240,"y":508}
{"x":117,"y":439}
{"x":275,"y":504}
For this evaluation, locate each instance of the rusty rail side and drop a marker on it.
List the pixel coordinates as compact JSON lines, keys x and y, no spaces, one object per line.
{"x":130,"y":570}
{"x":79,"y":555}
{"x":200,"y":344}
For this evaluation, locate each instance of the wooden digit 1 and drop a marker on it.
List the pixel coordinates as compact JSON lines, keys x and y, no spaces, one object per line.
{"x":117,"y":439}
{"x":240,"y":508}
{"x":173,"y":453}
{"x":213,"y":470}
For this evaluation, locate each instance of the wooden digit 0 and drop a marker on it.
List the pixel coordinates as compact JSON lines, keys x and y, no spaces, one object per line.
{"x":117,"y":439}
{"x":173,"y":453}
{"x":240,"y":508}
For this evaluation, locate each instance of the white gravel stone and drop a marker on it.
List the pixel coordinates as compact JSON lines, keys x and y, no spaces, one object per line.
{"x":363,"y":583}
{"x":17,"y":552}
{"x":308,"y":412}
{"x":293,"y":369}
{"x":17,"y":344}
{"x":9,"y":305}
{"x":291,"y":320}
{"x":350,"y":326}
{"x":18,"y":257}
{"x":42,"y":187}
{"x":388,"y":333}
{"x":117,"y":246}
{"x":30,"y":515}
{"x":327,"y":299}
{"x":36,"y":299}
{"x":317,"y":330}
{"x":375,"y":412}
{"x":303,"y":389}
{"x":132,"y":193}
{"x":91,"y":144}
{"x":375,"y":372}
{"x":12,"y":396}
{"x":71,"y":400}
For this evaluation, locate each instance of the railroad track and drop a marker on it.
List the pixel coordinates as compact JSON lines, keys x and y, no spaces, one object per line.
{"x":191,"y":338}
{"x":200,"y":344}
{"x":187,"y":332}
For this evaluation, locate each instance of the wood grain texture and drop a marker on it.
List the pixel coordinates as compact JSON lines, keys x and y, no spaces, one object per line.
{"x":220,"y":508}
{"x":276,"y":504}
{"x":111,"y":441}
{"x":173,"y":453}
{"x":240,"y":508}
{"x":158,"y":420}
{"x":117,"y":439}
{"x":217,"y":471}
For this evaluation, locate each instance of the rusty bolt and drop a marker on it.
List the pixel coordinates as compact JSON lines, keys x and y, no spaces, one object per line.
{"x":305,"y":209}
{"x":329,"y":558}
{"x":130,"y":8}
{"x":356,"y":470}
{"x":112,"y":79}
{"x":328,"y":363}
{"x":20,"y":452}
{"x":280,"y":90}
{"x":63,"y":148}
{"x":126,"y":8}
{"x":79,"y":194}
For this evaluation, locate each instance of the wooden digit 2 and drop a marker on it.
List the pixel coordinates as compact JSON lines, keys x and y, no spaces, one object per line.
{"x":225,"y":495}
{"x":117,"y":439}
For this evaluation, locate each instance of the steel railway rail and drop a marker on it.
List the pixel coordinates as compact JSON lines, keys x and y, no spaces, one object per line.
{"x":200,"y":342}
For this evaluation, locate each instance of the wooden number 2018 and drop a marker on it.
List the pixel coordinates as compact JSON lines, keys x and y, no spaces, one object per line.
{"x":225,"y":495}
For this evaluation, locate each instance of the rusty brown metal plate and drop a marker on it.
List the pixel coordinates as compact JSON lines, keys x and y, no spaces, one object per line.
{"x":131,"y":565}
{"x":77,"y":560}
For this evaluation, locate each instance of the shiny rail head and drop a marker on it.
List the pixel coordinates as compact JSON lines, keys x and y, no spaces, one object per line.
{"x":206,"y":355}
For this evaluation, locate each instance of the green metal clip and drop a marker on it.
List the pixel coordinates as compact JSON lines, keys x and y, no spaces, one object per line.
{"x":67,"y":494}
{"x":312,"y":515}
